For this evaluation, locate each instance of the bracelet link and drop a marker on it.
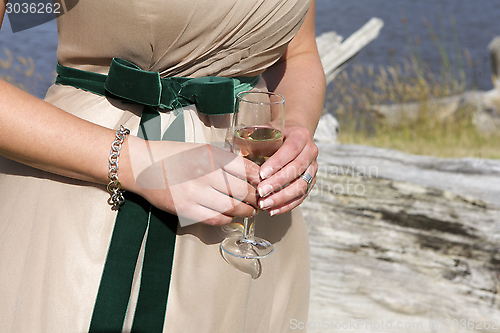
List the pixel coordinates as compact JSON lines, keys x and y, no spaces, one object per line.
{"x":114,"y":186}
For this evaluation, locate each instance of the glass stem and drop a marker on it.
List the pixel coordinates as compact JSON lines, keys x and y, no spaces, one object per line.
{"x":248,"y":230}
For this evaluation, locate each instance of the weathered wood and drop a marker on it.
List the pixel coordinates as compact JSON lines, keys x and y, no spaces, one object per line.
{"x":494,"y":48}
{"x":402,"y":242}
{"x":327,"y":130}
{"x":483,"y":105}
{"x":402,"y":238}
{"x":335,"y":52}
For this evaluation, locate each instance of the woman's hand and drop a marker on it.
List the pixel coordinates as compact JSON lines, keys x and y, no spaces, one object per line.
{"x":282,"y":189}
{"x":197,"y":182}
{"x":299,"y":77}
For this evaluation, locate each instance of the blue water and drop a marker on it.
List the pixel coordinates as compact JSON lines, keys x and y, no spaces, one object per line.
{"x":477,"y":22}
{"x":39,"y":44}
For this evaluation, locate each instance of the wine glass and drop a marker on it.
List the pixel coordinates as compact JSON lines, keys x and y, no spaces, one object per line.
{"x":256,"y":135}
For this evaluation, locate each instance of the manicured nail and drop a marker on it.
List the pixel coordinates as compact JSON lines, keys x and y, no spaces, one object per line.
{"x":265,"y":204}
{"x":274,"y":212}
{"x":265,"y":190}
{"x":264,"y":173}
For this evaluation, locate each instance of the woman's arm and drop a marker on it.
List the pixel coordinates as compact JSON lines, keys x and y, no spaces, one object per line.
{"x":36,"y":133}
{"x":2,"y":11}
{"x":300,"y":78}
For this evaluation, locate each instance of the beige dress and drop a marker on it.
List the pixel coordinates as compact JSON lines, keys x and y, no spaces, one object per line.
{"x":55,"y":231}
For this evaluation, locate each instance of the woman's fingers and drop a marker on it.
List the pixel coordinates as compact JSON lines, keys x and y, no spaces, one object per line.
{"x":244,"y":169}
{"x":282,"y":187}
{"x":295,"y":140}
{"x":235,"y":188}
{"x":222,"y":194}
{"x":290,"y":196}
{"x":199,"y":183}
{"x":212,"y":216}
{"x":286,"y":175}
{"x":229,"y":206}
{"x":289,"y":205}
{"x":208,"y":205}
{"x":299,"y":151}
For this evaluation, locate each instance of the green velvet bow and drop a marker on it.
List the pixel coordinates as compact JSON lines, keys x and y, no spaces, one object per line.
{"x":213,"y":95}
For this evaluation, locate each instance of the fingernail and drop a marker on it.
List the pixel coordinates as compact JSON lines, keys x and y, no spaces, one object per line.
{"x":274,"y":212}
{"x":264,"y":204}
{"x":265,"y":190}
{"x":264,"y":173}
{"x":255,"y":211}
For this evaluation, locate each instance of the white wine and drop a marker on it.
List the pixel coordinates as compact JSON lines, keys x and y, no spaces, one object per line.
{"x":257,"y":143}
{"x":256,"y":130}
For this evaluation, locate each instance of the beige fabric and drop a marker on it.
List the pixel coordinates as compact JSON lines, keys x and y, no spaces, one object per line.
{"x":180,"y":38}
{"x":55,"y":232}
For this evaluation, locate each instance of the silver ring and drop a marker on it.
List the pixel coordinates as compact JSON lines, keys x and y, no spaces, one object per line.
{"x":308,"y":179}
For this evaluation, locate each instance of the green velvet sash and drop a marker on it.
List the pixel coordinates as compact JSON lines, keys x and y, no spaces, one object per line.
{"x":136,"y":218}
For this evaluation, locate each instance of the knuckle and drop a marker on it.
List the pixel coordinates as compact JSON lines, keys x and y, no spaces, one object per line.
{"x":315,"y":150}
{"x":229,"y":207}
{"x":295,"y":145}
{"x":302,"y":130}
{"x":240,"y":191}
{"x":248,"y":212}
{"x":315,"y":165}
{"x":303,"y":191}
{"x":300,"y":191}
{"x":213,"y":221}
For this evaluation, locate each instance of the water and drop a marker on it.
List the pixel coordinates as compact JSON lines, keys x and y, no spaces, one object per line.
{"x":477,"y":22}
{"x":40,"y":44}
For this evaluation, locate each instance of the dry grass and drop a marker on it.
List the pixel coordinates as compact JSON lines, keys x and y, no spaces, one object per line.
{"x":19,"y":71}
{"x":426,"y":130}
{"x":427,"y":136}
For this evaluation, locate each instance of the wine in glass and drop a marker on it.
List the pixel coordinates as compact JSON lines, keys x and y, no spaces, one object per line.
{"x":257,"y":134}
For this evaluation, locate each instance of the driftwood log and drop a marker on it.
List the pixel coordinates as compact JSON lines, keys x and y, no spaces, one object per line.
{"x":399,"y":242}
{"x":494,"y":48}
{"x":403,"y":242}
{"x":335,"y":52}
{"x":484,"y":105}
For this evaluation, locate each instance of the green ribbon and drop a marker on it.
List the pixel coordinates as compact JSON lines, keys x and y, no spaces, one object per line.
{"x":136,"y":217}
{"x":212,"y":95}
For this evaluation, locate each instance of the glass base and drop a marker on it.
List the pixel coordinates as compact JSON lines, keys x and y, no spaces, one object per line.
{"x":254,"y":248}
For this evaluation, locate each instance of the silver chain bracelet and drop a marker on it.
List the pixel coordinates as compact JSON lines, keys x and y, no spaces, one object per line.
{"x":114,"y":187}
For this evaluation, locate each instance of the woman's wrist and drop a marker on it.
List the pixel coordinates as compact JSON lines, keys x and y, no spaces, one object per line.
{"x":126,"y":172}
{"x":114,"y":186}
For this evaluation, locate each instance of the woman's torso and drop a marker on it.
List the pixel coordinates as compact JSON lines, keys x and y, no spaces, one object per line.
{"x":180,"y":38}
{"x":56,"y":231}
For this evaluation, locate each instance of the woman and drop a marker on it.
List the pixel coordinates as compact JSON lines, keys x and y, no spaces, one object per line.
{"x":57,"y":229}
